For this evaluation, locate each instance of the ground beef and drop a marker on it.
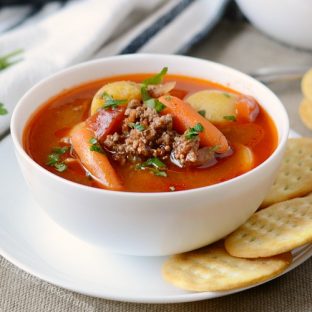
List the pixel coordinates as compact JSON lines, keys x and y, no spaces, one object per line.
{"x":133,"y":144}
{"x":155,"y":137}
{"x":185,"y":150}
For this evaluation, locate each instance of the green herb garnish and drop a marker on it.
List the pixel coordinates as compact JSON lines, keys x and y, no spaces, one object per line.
{"x":144,"y":93}
{"x":60,"y":150}
{"x":202,"y":112}
{"x":159,"y":173}
{"x":54,"y":158}
{"x":60,"y":167}
{"x":6,"y":60}
{"x":3,"y":110}
{"x":157,"y":79}
{"x":156,"y":162}
{"x":156,"y":104}
{"x":137,"y":126}
{"x":154,"y":165}
{"x":193,"y":132}
{"x":230,"y":118}
{"x":95,"y":146}
{"x":110,"y":102}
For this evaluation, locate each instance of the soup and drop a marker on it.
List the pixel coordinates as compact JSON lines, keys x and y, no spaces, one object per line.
{"x":144,"y":133}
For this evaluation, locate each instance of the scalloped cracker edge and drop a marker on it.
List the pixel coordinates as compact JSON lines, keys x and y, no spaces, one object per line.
{"x":213,"y":269}
{"x":274,"y":230}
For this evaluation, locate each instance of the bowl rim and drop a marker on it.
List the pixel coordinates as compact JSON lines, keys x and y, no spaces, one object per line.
{"x":72,"y":69}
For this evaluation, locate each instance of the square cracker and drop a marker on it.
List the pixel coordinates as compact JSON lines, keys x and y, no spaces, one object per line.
{"x":295,"y":175}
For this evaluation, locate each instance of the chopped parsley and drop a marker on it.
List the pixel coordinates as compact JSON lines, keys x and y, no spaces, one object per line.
{"x":230,"y":117}
{"x":95,"y":146}
{"x":3,"y":110}
{"x":149,"y":101}
{"x":60,"y":150}
{"x":8,"y":59}
{"x":193,"y":132}
{"x":156,"y":104}
{"x":202,"y":112}
{"x":136,"y":126}
{"x":144,"y":93}
{"x":159,"y":173}
{"x":54,"y":159}
{"x":157,"y":79}
{"x":110,"y":102}
{"x":154,"y":165}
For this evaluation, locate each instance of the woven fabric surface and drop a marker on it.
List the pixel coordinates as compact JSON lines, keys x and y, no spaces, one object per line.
{"x":21,"y":292}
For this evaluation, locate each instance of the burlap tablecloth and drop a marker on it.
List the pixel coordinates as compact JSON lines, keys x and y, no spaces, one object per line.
{"x":241,"y":46}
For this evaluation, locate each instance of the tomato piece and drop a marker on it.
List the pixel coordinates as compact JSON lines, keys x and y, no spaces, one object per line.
{"x":247,"y":108}
{"x":105,"y":122}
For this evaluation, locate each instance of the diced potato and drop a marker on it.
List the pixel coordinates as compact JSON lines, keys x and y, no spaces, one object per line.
{"x":246,"y":157}
{"x":219,"y":106}
{"x":306,"y":85}
{"x":119,"y":90}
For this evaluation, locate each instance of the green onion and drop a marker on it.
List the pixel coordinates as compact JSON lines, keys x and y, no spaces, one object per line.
{"x":110,"y":102}
{"x":193,"y":132}
{"x":230,"y":118}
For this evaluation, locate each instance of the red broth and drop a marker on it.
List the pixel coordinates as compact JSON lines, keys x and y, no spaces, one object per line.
{"x":53,"y":121}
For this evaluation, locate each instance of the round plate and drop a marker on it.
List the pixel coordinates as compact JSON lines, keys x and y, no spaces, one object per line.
{"x":33,"y":242}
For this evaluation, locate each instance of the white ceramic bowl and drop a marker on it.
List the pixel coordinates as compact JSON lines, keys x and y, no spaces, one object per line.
{"x":286,"y":20}
{"x":149,"y":224}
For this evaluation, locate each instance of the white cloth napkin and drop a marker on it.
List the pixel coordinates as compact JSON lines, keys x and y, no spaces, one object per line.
{"x":60,"y":36}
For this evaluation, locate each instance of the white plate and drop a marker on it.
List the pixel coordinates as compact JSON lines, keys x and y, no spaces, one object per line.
{"x":33,"y":242}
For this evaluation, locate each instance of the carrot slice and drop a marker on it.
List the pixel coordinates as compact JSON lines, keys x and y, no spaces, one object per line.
{"x":95,"y":162}
{"x":247,"y":108}
{"x":185,"y":116}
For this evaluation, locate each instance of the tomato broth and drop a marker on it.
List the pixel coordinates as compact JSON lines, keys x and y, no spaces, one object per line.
{"x":251,"y":142}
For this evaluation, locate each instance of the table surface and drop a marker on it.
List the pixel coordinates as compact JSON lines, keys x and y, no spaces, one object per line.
{"x":241,"y":46}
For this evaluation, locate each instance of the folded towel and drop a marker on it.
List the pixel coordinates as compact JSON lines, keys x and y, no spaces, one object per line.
{"x":62,"y":35}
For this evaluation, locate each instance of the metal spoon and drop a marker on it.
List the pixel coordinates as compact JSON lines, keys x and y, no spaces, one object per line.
{"x":268,"y":75}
